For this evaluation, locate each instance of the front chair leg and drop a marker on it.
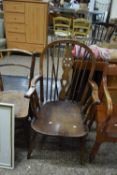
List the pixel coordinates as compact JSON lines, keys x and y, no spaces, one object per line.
{"x":94,"y":151}
{"x":82,"y":145}
{"x":32,"y":145}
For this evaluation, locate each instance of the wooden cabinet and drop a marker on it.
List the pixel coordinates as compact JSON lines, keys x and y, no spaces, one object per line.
{"x":26,"y":24}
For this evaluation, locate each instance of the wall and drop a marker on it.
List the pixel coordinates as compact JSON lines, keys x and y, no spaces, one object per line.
{"x":114,"y":9}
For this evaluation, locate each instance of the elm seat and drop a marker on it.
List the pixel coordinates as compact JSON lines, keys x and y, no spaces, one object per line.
{"x":60,"y":118}
{"x":62,"y":88}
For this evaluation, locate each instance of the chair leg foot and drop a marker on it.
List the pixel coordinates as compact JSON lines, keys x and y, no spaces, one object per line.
{"x":32,"y":145}
{"x":82,"y":145}
{"x":94,"y":151}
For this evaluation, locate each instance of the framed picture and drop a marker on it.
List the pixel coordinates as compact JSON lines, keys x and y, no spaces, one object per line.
{"x":6,"y":135}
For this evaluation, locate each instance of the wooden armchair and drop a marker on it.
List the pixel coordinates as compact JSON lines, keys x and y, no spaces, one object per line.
{"x":106,"y":111}
{"x":58,"y":94}
{"x":15,"y":79}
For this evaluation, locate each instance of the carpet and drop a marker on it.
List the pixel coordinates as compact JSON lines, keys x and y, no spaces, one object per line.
{"x":50,"y":159}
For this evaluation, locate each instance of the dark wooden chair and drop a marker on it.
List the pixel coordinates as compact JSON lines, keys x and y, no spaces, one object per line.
{"x":14,"y":83}
{"x":102,"y":32}
{"x":106,"y":111}
{"x":62,"y":88}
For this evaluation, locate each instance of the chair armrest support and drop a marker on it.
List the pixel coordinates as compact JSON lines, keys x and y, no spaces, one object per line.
{"x":32,"y":88}
{"x":94,"y":94}
{"x":108,"y":98}
{"x":91,"y":101}
{"x":109,"y":106}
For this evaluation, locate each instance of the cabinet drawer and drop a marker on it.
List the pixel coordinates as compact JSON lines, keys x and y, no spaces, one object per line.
{"x":26,"y":46}
{"x":14,"y":17}
{"x":15,"y":27}
{"x":13,"y":6}
{"x":18,"y":37}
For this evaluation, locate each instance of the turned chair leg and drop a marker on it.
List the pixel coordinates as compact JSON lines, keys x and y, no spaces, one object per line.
{"x":94,"y":151}
{"x":27,"y":128}
{"x":82,"y":148}
{"x":32,"y":145}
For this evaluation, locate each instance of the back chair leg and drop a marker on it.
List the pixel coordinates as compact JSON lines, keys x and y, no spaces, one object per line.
{"x":94,"y":151}
{"x":32,"y":144}
{"x":82,"y":150}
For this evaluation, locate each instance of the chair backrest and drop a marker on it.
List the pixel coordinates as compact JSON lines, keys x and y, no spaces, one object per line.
{"x":102,"y":32}
{"x":17,"y":63}
{"x":63,"y":76}
{"x":81,"y":27}
{"x":62,"y":25}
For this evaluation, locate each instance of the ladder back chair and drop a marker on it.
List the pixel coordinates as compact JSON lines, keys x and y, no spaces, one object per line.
{"x":106,"y":110}
{"x":81,"y":29}
{"x":62,"y":88}
{"x":15,"y":79}
{"x":62,"y":27}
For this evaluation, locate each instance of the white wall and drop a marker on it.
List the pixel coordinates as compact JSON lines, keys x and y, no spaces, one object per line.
{"x":114,"y":9}
{"x":91,"y":5}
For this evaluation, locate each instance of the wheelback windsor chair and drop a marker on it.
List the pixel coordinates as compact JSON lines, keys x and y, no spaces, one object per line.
{"x":58,"y":102}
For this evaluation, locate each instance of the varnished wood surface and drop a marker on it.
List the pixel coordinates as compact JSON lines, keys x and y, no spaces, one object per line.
{"x":106,"y":111}
{"x":60,"y":118}
{"x":33,"y":17}
{"x":57,"y":109}
{"x":21,"y":104}
{"x":38,"y":1}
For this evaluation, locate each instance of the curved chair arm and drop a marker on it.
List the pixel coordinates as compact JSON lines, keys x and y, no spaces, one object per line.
{"x":91,"y":101}
{"x":19,"y":50}
{"x":94,"y":95}
{"x":32,"y":88}
{"x":35,"y":101}
{"x":108,"y":97}
{"x":109,"y":104}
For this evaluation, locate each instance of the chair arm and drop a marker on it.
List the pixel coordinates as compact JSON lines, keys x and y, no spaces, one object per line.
{"x":108,"y":98}
{"x":109,"y":106}
{"x":92,"y":100}
{"x":94,"y":94}
{"x":32,"y":88}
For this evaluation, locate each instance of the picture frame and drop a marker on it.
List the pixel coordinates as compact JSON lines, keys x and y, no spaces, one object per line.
{"x":6,"y":135}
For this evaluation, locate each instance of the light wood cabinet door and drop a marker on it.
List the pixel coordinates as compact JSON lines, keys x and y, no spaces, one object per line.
{"x":36,"y":23}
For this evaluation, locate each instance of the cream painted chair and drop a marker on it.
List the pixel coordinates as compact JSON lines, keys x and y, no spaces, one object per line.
{"x":62,"y":27}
